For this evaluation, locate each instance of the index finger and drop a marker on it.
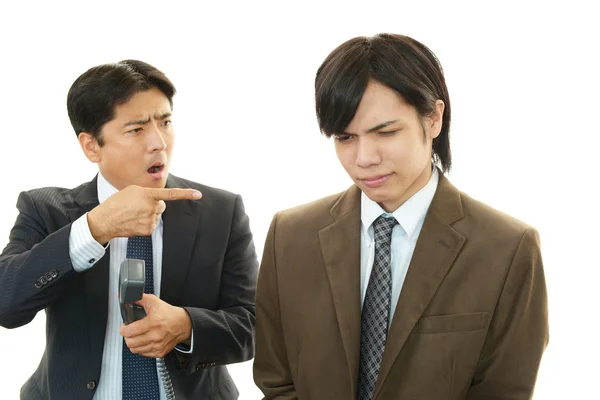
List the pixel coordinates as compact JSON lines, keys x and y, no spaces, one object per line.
{"x":174,"y":194}
{"x":136,"y":328}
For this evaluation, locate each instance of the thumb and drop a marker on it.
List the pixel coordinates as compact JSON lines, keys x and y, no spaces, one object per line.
{"x":147,"y":301}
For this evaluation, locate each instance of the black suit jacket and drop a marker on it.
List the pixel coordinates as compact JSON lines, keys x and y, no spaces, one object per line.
{"x":209,"y":268}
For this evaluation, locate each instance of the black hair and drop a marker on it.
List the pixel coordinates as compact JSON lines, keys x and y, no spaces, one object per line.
{"x":399,"y":62}
{"x":94,"y":96}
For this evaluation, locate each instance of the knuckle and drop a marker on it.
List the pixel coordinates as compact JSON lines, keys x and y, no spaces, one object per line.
{"x":157,"y":339}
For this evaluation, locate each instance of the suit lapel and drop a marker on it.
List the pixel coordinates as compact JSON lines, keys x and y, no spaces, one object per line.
{"x":181,"y":221}
{"x":96,"y":279}
{"x":340,"y":245}
{"x":437,"y":247}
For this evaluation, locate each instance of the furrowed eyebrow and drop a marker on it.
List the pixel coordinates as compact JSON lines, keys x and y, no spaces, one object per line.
{"x":137,"y":122}
{"x":162,"y":116}
{"x":159,"y":117}
{"x":377,"y":127}
{"x":382,"y":125}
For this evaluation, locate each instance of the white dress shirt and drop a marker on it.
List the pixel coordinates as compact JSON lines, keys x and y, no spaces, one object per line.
{"x":85,"y":252}
{"x":410,"y":217}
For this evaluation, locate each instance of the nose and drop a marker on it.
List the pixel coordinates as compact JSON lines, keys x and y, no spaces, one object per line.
{"x":156,"y":140}
{"x":367,"y":153}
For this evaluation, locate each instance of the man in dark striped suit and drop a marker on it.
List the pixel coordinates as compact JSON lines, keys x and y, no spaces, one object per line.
{"x":67,"y":244}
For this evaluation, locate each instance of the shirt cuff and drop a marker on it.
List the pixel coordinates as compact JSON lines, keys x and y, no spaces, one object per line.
{"x":84,"y":250}
{"x":182,"y":348}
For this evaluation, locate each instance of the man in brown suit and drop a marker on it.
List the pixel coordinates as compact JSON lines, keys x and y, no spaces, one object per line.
{"x":401,"y":287}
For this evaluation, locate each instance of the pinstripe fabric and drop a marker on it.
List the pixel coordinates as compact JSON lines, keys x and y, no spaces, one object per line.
{"x":212,"y":263}
{"x":84,"y":248}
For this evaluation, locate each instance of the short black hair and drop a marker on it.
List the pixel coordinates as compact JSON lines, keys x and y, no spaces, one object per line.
{"x":94,"y":96}
{"x":399,"y":62}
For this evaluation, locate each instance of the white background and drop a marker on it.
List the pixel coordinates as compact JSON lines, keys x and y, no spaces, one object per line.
{"x":523,"y":82}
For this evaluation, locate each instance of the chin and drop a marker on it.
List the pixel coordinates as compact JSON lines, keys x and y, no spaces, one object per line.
{"x":160,"y":184}
{"x":381,"y":195}
{"x":376,"y":194}
{"x":156,"y":184}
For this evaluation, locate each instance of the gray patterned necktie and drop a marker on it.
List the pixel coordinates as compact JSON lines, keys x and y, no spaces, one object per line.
{"x":376,"y":310}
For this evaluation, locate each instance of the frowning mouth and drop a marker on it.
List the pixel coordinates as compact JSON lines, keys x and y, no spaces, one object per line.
{"x":375,"y":181}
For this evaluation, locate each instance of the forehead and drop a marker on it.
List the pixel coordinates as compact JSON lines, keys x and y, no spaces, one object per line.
{"x":379,"y":104}
{"x":142,"y":103}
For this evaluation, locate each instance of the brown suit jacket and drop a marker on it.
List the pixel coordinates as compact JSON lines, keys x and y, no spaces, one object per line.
{"x":471,"y":321}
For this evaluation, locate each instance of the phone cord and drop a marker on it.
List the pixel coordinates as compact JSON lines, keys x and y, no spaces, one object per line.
{"x":166,"y":379}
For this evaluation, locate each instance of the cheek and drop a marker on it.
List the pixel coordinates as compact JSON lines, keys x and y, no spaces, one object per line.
{"x":398,"y":153}
{"x":169,"y":149}
{"x":169,"y":141}
{"x":409,"y":152}
{"x":125,"y":157}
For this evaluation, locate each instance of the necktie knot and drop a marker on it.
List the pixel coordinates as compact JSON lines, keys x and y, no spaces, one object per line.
{"x":382,"y":229}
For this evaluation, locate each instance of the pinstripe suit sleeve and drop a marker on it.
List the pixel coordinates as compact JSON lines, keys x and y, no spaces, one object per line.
{"x":35,"y":266}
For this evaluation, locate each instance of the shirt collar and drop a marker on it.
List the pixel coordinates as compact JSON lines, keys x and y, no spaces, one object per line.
{"x":105,"y":189}
{"x":409,"y":215}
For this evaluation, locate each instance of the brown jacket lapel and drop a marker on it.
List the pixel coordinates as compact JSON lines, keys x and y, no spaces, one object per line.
{"x":340,"y":244}
{"x":437,"y":247}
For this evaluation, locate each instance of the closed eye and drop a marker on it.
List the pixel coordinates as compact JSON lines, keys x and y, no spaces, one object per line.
{"x":136,"y":130}
{"x":388,"y":133}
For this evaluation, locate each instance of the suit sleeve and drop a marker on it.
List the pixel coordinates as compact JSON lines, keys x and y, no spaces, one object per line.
{"x":35,"y":266}
{"x":518,"y":334}
{"x":272,"y":372}
{"x":226,"y":335}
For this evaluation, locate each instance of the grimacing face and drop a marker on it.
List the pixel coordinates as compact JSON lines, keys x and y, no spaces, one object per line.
{"x":138,"y":142}
{"x":384,"y":149}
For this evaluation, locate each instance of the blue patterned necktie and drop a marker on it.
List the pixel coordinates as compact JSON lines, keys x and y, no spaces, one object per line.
{"x":140,"y":379}
{"x":376,"y":310}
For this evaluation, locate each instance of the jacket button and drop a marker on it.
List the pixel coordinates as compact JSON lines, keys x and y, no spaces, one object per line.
{"x":38,"y":284}
{"x":48,"y":276}
{"x":91,"y":385}
{"x":43,"y":280}
{"x":53,"y":273}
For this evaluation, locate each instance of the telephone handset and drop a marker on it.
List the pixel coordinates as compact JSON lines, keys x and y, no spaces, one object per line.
{"x":132,"y":278}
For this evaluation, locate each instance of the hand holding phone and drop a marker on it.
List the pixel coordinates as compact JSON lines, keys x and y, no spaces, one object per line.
{"x":132,"y":278}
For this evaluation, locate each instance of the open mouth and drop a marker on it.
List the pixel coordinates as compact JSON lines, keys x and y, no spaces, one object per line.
{"x":156,"y":169}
